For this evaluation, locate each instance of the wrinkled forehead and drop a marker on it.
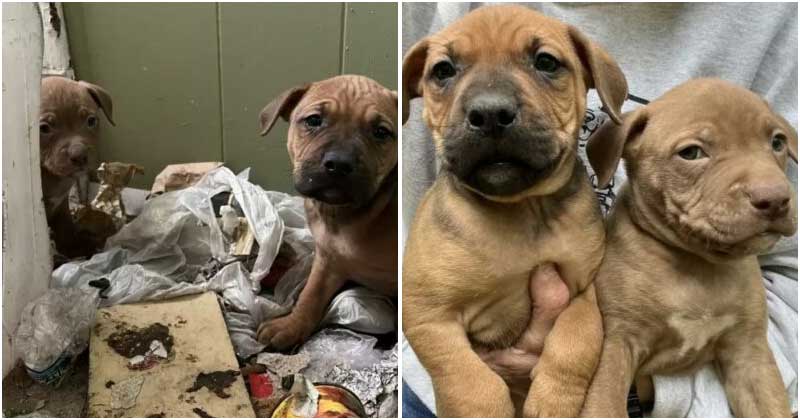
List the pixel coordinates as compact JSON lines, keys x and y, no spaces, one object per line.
{"x":357,"y":98}
{"x":65,"y":97}
{"x":719,"y":111}
{"x":494,"y":33}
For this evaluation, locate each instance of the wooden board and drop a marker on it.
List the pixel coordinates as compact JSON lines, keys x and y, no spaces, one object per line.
{"x":200,"y":345}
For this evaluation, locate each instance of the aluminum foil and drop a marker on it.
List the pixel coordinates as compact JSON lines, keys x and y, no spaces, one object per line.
{"x":352,"y":361}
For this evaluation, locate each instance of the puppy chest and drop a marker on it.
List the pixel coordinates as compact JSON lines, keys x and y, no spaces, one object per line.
{"x":498,"y":318}
{"x":688,"y":340}
{"x":361,"y":261}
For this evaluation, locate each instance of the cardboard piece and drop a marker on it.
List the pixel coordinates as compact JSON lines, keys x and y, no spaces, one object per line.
{"x":199,"y":352}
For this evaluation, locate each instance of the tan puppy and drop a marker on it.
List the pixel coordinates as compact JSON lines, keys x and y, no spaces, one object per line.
{"x":680,"y":285}
{"x":505,"y":95}
{"x":69,"y":125}
{"x":343,"y":148}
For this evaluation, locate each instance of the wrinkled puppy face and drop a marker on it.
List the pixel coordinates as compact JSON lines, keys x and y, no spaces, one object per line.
{"x":69,"y":122}
{"x":505,"y":94}
{"x":342,"y":137}
{"x":707,"y":168}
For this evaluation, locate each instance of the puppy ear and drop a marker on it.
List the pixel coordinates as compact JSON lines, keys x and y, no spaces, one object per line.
{"x":102,"y":98}
{"x":413,"y":67}
{"x":605,"y":76}
{"x":282,"y":106}
{"x":604,"y":148}
{"x":395,"y":96}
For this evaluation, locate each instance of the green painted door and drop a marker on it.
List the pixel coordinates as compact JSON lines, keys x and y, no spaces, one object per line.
{"x":189,"y":80}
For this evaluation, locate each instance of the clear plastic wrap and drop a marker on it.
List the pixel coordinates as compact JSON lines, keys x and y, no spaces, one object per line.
{"x":362,"y":310}
{"x":53,"y":330}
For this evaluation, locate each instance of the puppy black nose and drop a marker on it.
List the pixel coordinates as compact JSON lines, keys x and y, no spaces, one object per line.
{"x":337,"y":164}
{"x":771,"y":201}
{"x":78,"y":154}
{"x":491,"y":112}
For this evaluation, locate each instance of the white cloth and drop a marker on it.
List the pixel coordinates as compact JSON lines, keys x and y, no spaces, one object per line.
{"x":658,"y":46}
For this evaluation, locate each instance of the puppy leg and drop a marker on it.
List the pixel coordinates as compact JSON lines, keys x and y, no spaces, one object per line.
{"x":550,"y":296}
{"x":751,"y":378}
{"x":285,"y":332}
{"x":571,"y":352}
{"x":464,"y":386}
{"x":65,"y":234}
{"x":608,"y":393}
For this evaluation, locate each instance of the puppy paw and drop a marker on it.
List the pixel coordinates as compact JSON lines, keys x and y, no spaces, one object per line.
{"x":284,"y":333}
{"x":473,"y":395}
{"x":536,"y":408}
{"x":551,"y":399}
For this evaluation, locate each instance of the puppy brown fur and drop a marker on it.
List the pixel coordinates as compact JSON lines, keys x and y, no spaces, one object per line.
{"x":68,"y":127}
{"x":505,"y":94}
{"x":343,"y":148}
{"x":680,"y":285}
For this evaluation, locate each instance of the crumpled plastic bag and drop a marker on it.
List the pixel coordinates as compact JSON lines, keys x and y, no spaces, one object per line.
{"x":340,"y":346}
{"x":163,"y":253}
{"x":127,"y":282}
{"x":182,"y":224}
{"x":53,"y":330}
{"x":363,"y":310}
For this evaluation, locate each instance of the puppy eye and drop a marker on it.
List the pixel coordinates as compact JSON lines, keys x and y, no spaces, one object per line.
{"x":313,"y":121}
{"x":778,"y":142}
{"x":382,"y":133}
{"x":692,"y":153}
{"x":91,"y":122}
{"x":44,"y":128}
{"x":545,"y":62}
{"x":443,"y":70}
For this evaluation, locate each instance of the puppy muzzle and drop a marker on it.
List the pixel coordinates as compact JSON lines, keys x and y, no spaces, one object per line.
{"x":332,"y":187}
{"x":505,"y":166}
{"x":69,"y":157}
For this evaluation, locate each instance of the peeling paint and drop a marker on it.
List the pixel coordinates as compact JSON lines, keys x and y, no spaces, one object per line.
{"x":55,"y":20}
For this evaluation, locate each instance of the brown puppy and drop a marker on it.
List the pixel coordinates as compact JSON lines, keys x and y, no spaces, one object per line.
{"x":343,"y":148}
{"x":69,"y":125}
{"x":505,"y":95}
{"x":680,"y":285}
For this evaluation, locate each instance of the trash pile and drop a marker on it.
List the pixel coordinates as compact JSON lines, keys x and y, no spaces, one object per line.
{"x":101,"y":218}
{"x":254,"y":250}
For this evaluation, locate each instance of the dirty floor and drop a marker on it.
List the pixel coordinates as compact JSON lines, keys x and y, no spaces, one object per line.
{"x":21,"y":395}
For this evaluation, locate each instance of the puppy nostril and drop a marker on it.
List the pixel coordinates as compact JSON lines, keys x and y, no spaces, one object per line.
{"x":505,"y":117}
{"x":476,"y":119}
{"x":762,"y":204}
{"x":79,"y":160}
{"x":338,"y":167}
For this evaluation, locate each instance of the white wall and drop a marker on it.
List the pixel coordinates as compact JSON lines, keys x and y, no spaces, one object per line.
{"x":26,"y":249}
{"x":55,"y":44}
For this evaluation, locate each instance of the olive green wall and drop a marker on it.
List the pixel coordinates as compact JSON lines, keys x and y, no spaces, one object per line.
{"x":188,"y":80}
